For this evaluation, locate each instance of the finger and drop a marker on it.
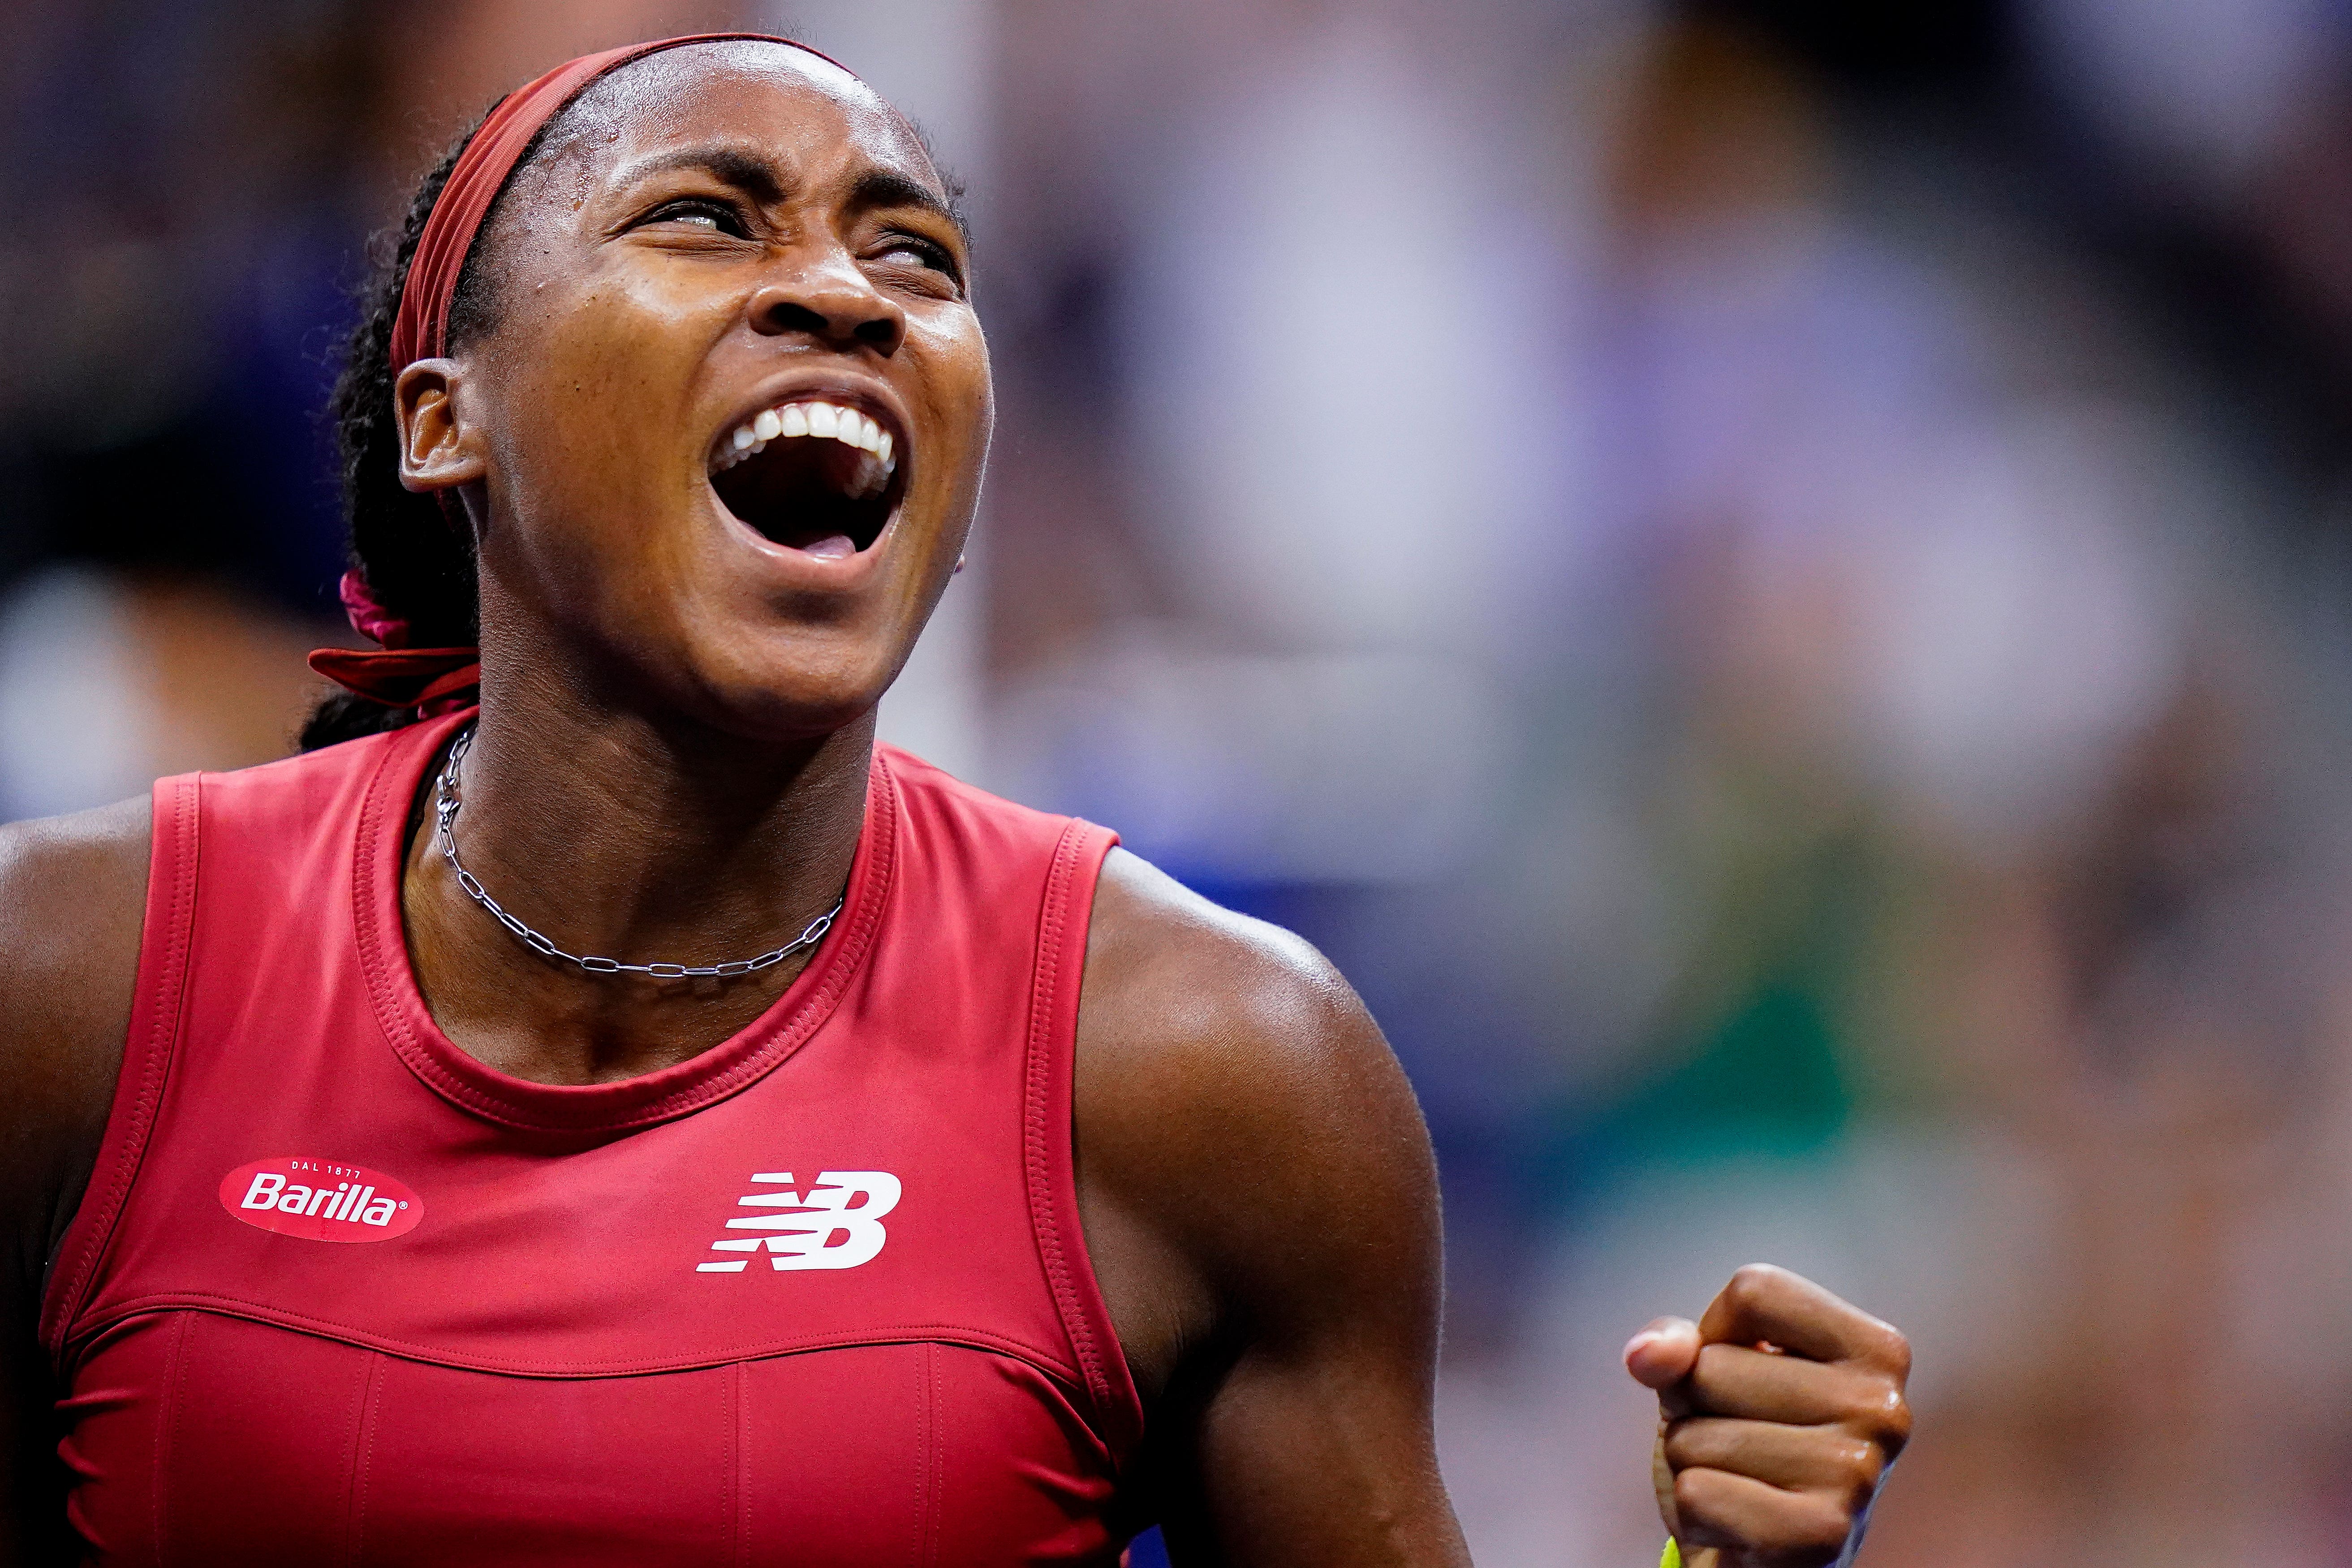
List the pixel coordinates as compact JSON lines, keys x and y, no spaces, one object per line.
{"x":1827,"y":1459}
{"x":1718,"y":1509}
{"x":1730,"y":1380}
{"x":1662,"y":1353}
{"x":1770,"y":1305}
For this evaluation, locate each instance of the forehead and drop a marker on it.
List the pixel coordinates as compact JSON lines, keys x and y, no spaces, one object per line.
{"x":754,"y":96}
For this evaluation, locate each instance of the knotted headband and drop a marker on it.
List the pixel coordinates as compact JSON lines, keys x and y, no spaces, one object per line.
{"x":400,"y":676}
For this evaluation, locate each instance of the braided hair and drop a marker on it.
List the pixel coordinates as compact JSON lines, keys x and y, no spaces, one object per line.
{"x":418,"y":566}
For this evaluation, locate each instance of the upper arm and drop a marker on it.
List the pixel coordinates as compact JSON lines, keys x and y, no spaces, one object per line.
{"x":72,"y":901}
{"x":1263,"y":1207}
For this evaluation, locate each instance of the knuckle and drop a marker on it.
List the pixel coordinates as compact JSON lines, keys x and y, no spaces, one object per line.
{"x":1860,"y":1463}
{"x":1690,"y":1442}
{"x":1798,"y":1530}
{"x":1751,"y":1281}
{"x":1695,"y":1494}
{"x":1814,"y":1529}
{"x":1824,"y":1531}
{"x":1887,"y":1414}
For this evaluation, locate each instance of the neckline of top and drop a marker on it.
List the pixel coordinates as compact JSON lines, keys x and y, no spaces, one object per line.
{"x":623,"y":1104}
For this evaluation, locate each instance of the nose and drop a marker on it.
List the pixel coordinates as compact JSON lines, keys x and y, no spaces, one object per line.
{"x":834,"y":304}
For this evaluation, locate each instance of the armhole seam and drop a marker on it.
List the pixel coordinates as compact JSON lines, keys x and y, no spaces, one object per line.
{"x":149,"y":1046}
{"x":1049,"y":1137}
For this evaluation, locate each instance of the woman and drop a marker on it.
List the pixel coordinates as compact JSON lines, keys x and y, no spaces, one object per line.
{"x":412,"y":1140}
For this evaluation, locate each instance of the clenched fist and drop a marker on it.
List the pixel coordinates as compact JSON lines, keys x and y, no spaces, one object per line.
{"x":1779,"y":1411}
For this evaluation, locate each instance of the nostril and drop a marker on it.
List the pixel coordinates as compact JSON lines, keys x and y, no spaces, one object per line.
{"x":882,"y":333}
{"x":789,"y":316}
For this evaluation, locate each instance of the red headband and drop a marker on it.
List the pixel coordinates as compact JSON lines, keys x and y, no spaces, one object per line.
{"x":421,"y":329}
{"x":402,"y":676}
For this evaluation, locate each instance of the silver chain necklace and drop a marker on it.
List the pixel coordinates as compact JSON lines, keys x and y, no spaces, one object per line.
{"x":445,"y":810}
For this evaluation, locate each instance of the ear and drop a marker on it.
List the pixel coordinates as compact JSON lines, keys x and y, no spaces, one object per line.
{"x":439,"y":449}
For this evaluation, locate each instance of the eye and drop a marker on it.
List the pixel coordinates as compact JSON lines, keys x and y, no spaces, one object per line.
{"x":912,"y":250}
{"x":700,"y":214}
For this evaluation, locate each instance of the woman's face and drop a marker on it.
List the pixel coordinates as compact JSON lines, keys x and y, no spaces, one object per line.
{"x":723,"y":437}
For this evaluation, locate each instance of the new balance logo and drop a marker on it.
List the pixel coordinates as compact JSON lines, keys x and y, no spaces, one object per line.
{"x":838,"y":1225}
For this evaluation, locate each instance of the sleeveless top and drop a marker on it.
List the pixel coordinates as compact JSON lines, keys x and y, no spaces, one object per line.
{"x":340,"y":1293}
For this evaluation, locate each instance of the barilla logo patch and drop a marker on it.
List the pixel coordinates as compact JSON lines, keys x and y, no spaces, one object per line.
{"x":320,"y":1200}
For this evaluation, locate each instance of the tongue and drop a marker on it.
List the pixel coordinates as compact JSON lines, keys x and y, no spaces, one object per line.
{"x":833,"y":547}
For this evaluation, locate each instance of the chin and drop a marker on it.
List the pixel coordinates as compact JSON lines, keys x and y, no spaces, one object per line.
{"x":802,"y":692}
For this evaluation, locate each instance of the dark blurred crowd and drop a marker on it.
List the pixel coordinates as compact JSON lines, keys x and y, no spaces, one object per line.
{"x":1768,"y":580}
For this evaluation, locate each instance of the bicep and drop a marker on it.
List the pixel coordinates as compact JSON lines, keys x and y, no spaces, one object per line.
{"x":1317,"y":1445}
{"x":1320,"y":1454}
{"x":1261,"y":1128}
{"x":72,"y":897}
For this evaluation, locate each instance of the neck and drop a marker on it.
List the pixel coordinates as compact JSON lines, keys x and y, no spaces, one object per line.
{"x":623,"y":837}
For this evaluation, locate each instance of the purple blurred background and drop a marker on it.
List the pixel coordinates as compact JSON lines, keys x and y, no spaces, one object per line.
{"x":1772,"y":581}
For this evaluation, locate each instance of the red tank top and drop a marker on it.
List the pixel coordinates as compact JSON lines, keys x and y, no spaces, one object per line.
{"x":340,"y":1293}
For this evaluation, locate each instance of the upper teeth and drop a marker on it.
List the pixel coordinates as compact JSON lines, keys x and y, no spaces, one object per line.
{"x":846,"y":426}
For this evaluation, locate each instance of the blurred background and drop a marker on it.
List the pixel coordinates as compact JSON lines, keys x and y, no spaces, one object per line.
{"x":1773,"y":582}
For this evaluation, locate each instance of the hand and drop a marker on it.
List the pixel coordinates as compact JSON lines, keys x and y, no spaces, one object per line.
{"x":1778,"y":1412}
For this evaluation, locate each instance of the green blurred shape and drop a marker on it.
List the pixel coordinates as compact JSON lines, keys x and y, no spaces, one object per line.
{"x":1765,"y":1081}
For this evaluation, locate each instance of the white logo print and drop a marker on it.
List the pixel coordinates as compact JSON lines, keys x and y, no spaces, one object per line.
{"x":845,"y":1203}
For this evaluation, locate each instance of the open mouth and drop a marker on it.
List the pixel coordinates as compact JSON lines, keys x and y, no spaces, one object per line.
{"x":812,"y":476}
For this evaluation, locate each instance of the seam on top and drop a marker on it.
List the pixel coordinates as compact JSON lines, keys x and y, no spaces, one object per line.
{"x":355,"y":1486}
{"x":738,"y":1466}
{"x":162,"y":997}
{"x":1036,"y":1132}
{"x":226,"y":1306}
{"x":1047,"y":1066}
{"x":167,"y":1429}
{"x":924,"y":1416}
{"x":934,"y":1527}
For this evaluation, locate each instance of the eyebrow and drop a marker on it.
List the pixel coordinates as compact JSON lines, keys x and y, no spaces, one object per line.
{"x":758,"y":178}
{"x":889,"y":188}
{"x":747,"y":172}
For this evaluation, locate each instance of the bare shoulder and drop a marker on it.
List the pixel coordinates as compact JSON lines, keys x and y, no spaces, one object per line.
{"x":1247,"y":1141}
{"x":1204,"y":978}
{"x":1237,"y":1027}
{"x":73,"y":893}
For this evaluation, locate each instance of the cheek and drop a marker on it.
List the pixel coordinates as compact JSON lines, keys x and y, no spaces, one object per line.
{"x":594,"y":435}
{"x":961,"y":399}
{"x":609,"y":365}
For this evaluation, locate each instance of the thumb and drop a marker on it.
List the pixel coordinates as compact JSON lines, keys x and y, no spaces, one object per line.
{"x":1663,"y":1353}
